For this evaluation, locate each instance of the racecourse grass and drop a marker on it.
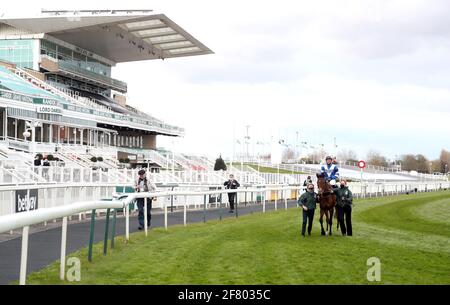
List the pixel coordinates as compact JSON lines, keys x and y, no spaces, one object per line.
{"x":273,"y":170}
{"x":412,"y":245}
{"x":266,"y":169}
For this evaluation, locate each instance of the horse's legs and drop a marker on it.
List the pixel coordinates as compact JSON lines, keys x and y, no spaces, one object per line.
{"x":322,"y":231}
{"x":327,"y":217}
{"x":331,"y":219}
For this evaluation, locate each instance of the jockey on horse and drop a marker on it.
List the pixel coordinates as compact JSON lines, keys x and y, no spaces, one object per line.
{"x":330,"y":171}
{"x":326,"y":182}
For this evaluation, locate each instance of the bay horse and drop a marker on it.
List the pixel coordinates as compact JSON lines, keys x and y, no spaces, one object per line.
{"x":327,"y":201}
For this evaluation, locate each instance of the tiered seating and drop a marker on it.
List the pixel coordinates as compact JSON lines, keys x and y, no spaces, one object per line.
{"x":15,"y":83}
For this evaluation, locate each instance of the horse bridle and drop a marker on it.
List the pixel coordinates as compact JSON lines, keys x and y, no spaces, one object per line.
{"x":322,"y":193}
{"x":325,"y":194}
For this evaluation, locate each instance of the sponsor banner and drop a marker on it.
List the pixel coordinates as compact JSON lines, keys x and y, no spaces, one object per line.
{"x":19,"y":145}
{"x":26,"y":200}
{"x":49,"y":109}
{"x":16,"y":97}
{"x":46,"y":101}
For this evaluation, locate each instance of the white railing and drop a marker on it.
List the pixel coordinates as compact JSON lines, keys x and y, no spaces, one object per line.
{"x":158,"y":158}
{"x":54,"y":195}
{"x":365,"y":190}
{"x":25,"y":220}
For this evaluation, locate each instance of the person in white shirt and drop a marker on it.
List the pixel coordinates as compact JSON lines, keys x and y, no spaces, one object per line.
{"x":144,"y":185}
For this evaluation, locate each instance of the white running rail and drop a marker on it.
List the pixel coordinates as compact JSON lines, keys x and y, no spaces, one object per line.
{"x":26,"y":219}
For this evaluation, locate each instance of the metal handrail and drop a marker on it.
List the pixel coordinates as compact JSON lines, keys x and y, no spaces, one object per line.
{"x":24,"y":220}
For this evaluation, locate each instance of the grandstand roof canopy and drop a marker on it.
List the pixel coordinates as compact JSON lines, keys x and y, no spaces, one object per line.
{"x":120,"y":36}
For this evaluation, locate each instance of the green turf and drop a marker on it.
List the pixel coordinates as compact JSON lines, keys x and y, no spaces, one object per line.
{"x":272,"y":170}
{"x":414,"y":248}
{"x":265,"y":169}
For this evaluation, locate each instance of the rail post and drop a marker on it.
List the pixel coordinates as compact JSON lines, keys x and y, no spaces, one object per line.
{"x":105,"y":242}
{"x":91,"y":235}
{"x":185,"y":210}
{"x":285,"y":200}
{"x":63,"y":249}
{"x":220,"y":206}
{"x":171,"y":201}
{"x":251,"y":202}
{"x":127,"y":222}
{"x":264,"y":201}
{"x":204,"y":208}
{"x":237,"y":203}
{"x":113,"y":233}
{"x":24,"y":256}
{"x":145,"y":215}
{"x":276,"y":200}
{"x":165,"y":215}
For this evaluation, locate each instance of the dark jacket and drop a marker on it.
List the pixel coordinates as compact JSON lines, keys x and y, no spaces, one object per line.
{"x":308,"y":200}
{"x":343,"y":196}
{"x":231,"y":184}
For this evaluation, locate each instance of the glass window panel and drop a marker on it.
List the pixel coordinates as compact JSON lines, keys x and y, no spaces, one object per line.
{"x":184,"y":50}
{"x":160,"y":39}
{"x":155,"y":32}
{"x":139,"y":24}
{"x":175,"y":44}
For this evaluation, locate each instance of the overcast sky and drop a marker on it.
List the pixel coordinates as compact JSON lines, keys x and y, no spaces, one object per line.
{"x":373,"y":74}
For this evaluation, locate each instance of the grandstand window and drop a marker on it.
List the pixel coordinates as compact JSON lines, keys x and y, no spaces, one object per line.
{"x":17,"y":51}
{"x":64,"y":53}
{"x":79,"y":60}
{"x":48,"y":48}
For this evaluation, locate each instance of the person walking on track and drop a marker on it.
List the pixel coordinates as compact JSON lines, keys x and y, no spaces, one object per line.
{"x":308,"y":201}
{"x":144,"y":185}
{"x":232,"y":184}
{"x":344,"y":208}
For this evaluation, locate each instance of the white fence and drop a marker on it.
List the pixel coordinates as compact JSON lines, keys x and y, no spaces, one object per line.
{"x":383,"y":189}
{"x":25,"y":220}
{"x":52,"y":195}
{"x":49,"y":196}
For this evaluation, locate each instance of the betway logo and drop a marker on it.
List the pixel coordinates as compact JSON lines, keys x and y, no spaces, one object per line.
{"x":26,"y":203}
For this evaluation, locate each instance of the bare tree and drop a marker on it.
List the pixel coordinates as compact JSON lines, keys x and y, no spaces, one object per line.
{"x":436,"y":166}
{"x":409,"y":162}
{"x":444,"y":160}
{"x":423,"y":164}
{"x":345,"y":155}
{"x":316,"y":156}
{"x":376,"y":158}
{"x":288,"y":154}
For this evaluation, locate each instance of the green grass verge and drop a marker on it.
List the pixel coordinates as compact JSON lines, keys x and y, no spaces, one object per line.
{"x":265,"y":169}
{"x":412,"y":244}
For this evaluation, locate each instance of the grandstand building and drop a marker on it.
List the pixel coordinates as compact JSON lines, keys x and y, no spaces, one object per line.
{"x":57,"y":93}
